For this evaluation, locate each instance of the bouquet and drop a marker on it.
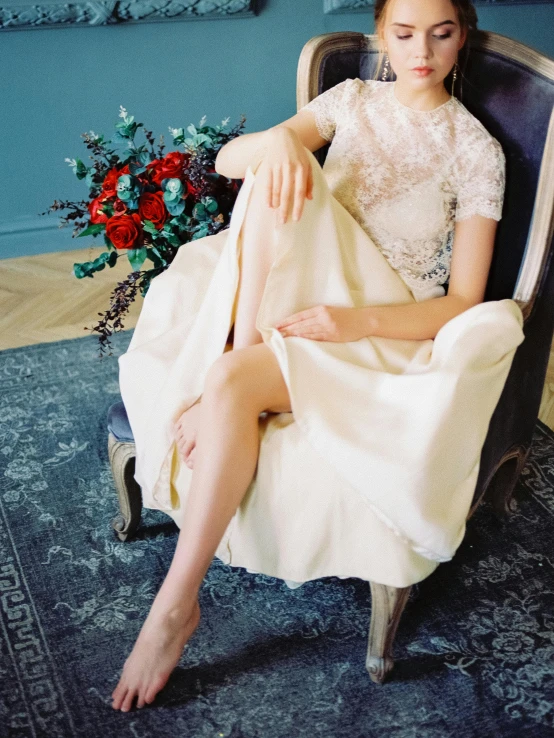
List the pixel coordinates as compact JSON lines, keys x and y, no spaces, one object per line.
{"x":146,"y":205}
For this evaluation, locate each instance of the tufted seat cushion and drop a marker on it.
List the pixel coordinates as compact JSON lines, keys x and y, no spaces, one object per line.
{"x":118,"y":423}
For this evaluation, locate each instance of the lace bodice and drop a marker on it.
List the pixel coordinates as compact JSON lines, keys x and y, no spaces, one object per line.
{"x":408,"y":175}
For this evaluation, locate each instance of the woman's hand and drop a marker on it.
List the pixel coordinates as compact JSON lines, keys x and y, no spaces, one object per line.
{"x":286,"y":171}
{"x":324,"y":323}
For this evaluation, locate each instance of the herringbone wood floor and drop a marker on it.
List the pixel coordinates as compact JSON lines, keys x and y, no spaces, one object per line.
{"x":41,"y":300}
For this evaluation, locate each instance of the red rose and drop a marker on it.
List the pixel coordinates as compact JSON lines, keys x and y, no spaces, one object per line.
{"x":170,"y":167}
{"x":110,"y":181}
{"x":125,"y":231}
{"x":119,"y":207}
{"x":96,"y":215}
{"x":152,"y":207}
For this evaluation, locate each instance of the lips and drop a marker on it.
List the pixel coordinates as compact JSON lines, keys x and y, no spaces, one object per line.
{"x":422,"y":69}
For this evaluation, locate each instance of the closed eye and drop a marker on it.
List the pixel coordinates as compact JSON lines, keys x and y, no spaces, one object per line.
{"x":445,"y":35}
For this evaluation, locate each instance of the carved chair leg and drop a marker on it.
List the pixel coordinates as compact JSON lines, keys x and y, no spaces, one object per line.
{"x":387,"y":605}
{"x":122,"y":460}
{"x":501,"y":487}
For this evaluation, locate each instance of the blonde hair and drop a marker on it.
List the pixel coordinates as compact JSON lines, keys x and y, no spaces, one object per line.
{"x":467,"y":18}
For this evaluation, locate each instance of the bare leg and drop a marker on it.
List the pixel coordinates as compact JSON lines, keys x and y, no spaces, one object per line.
{"x":255,"y":259}
{"x":240,"y":385}
{"x":256,"y":255}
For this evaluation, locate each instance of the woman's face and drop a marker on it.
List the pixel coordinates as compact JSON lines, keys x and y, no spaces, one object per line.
{"x":422,"y":33}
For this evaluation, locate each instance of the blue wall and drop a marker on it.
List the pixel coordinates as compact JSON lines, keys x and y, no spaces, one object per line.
{"x":58,"y":83}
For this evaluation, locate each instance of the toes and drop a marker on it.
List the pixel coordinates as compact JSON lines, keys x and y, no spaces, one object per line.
{"x":190,"y":460}
{"x":140,"y":697}
{"x":128,"y":700}
{"x":154,"y":688}
{"x":118,"y":702}
{"x":117,"y":696}
{"x":185,"y":450}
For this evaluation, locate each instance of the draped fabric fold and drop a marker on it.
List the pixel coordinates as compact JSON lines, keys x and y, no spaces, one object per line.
{"x":380,"y":456}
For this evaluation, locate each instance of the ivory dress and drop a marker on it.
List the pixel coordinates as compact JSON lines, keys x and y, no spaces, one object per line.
{"x":373,"y":472}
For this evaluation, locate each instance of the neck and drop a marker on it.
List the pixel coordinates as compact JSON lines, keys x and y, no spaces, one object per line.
{"x":421,"y":99}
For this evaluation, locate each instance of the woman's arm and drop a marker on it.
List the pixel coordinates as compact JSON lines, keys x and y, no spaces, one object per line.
{"x":472,"y":252}
{"x":418,"y":320}
{"x":249,"y":149}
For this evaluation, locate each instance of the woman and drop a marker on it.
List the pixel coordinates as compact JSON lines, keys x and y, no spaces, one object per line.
{"x":365,"y":372}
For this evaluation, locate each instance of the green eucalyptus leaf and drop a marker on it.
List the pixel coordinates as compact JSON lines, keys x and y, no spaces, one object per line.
{"x":136,"y":257}
{"x":93,"y":230}
{"x":88,"y":268}
{"x":155,"y":257}
{"x":100,"y":261}
{"x":200,"y":233}
{"x":80,"y":270}
{"x":200,"y":138}
{"x":173,"y":240}
{"x":174,"y":208}
{"x":149,"y":227}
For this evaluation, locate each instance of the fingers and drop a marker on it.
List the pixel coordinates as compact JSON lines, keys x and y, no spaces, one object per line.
{"x":310,"y":184}
{"x":302,"y":328}
{"x":299,"y":193}
{"x":285,"y":195}
{"x":289,"y":188}
{"x":275,"y":180}
{"x":303,"y":315}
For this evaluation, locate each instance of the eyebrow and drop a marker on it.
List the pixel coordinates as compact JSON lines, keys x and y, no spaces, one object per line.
{"x":405,"y":25}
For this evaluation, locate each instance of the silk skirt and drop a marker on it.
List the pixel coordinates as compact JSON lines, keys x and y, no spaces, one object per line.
{"x":373,"y":473}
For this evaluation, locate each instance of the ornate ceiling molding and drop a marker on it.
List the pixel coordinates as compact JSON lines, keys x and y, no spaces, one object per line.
{"x":23,"y":16}
{"x":353,"y":6}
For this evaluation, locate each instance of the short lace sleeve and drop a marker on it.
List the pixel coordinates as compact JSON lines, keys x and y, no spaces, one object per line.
{"x":326,"y":108}
{"x":482,"y":181}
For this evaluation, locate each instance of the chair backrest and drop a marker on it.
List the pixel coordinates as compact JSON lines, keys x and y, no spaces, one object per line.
{"x":509,"y":87}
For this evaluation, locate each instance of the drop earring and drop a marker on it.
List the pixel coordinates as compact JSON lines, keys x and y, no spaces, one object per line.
{"x":385,"y":68}
{"x":454,"y":75}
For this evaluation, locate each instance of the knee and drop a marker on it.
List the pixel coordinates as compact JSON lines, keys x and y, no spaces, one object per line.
{"x":225,"y":379}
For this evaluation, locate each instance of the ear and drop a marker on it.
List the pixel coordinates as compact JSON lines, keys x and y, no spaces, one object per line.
{"x":463,"y":38}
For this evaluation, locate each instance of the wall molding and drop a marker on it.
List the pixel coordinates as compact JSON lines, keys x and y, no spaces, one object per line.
{"x":21,"y":15}
{"x":359,"y":6}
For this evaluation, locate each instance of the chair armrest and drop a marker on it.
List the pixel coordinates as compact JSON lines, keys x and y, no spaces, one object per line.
{"x":541,"y":233}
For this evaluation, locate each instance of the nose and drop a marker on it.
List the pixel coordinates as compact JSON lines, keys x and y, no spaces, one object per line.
{"x":422,"y":48}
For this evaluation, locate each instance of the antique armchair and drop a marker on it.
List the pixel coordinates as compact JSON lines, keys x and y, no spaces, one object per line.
{"x":510,"y":88}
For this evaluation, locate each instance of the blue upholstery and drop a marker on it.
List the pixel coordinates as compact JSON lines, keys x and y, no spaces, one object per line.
{"x":118,"y":423}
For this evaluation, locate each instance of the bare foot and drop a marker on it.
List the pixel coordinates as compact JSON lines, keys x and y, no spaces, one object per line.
{"x":185,"y":430}
{"x":155,"y":654}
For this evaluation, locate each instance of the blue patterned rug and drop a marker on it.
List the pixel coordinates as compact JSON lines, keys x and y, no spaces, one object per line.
{"x":474,"y":650}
